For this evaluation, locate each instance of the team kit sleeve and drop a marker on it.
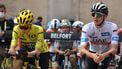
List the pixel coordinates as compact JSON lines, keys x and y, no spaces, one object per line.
{"x":14,"y":37}
{"x":84,"y":36}
{"x":75,"y":44}
{"x":115,"y":37}
{"x":56,"y":44}
{"x":41,"y":44}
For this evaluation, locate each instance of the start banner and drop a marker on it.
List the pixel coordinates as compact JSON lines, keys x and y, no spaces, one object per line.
{"x":62,"y":36}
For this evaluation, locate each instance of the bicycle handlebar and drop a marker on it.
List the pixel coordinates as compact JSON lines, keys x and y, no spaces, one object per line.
{"x":68,"y":52}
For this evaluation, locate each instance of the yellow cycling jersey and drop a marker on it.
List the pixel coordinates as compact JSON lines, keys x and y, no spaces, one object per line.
{"x":35,"y":37}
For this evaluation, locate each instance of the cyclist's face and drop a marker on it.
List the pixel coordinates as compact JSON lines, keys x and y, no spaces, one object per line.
{"x":98,"y":18}
{"x":76,"y":29}
{"x":65,"y":29}
{"x":24,"y":29}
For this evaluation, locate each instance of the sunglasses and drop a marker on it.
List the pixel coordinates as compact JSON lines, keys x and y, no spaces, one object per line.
{"x":76,"y":27}
{"x":23,"y":27}
{"x":97,"y":14}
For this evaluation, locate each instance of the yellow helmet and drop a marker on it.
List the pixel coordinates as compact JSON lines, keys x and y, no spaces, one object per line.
{"x":25,"y":18}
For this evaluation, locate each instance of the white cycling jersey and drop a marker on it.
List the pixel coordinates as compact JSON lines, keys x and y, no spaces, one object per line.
{"x":99,"y":38}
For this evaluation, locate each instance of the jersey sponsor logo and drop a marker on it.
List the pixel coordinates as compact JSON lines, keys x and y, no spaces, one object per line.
{"x":84,"y":31}
{"x":105,"y":34}
{"x":29,"y":45}
{"x":99,"y":41}
{"x":84,"y":39}
{"x":115,"y":38}
{"x":32,"y":36}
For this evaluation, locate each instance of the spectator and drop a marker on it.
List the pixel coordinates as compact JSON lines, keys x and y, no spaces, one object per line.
{"x":39,"y":21}
{"x":6,"y":26}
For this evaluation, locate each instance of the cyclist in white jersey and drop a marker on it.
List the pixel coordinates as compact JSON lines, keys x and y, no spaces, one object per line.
{"x":61,"y":46}
{"x":77,"y":28}
{"x":102,"y":36}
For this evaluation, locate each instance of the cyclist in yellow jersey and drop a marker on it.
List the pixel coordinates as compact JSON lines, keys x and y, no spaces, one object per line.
{"x":31,"y":40}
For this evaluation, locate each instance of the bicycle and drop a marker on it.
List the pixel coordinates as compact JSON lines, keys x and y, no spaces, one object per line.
{"x":119,"y":62}
{"x":83,"y":63}
{"x":8,"y":60}
{"x":26,"y":64}
{"x":67,"y":63}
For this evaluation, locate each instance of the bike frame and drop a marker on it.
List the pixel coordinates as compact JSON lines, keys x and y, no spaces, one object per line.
{"x":67,"y":64}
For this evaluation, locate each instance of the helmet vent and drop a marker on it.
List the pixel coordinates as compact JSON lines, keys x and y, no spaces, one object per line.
{"x":31,"y":21}
{"x":55,"y":24}
{"x":21,"y":20}
{"x":28,"y":17}
{"x":17,"y":20}
{"x":26,"y":13}
{"x":24,"y":20}
{"x":22,"y":13}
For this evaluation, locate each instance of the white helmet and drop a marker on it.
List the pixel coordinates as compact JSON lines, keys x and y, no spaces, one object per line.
{"x":55,"y":23}
{"x":99,"y":7}
{"x":65,"y":23}
{"x":78,"y":24}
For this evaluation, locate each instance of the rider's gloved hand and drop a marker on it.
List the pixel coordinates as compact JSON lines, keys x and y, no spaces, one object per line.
{"x":7,"y":55}
{"x":12,"y":51}
{"x":22,"y":52}
{"x":112,"y":63}
{"x":67,"y":52}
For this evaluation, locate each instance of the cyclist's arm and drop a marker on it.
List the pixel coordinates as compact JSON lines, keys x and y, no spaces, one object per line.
{"x":84,"y":42}
{"x":75,"y":47}
{"x":38,"y":50}
{"x":41,"y":45}
{"x":75,"y":50}
{"x":84,"y":46}
{"x":15,"y":36}
{"x":56,"y":48}
{"x":111,"y":51}
{"x":119,"y":31}
{"x":14,"y":40}
{"x":84,"y":50}
{"x":114,"y":42}
{"x":35,"y":52}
